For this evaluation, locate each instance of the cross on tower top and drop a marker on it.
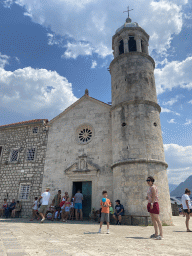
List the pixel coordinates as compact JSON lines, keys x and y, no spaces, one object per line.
{"x":128,"y":11}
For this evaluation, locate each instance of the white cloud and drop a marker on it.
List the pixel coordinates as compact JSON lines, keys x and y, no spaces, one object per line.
{"x":76,"y":49}
{"x":8,"y":3}
{"x":190,"y":101}
{"x":29,"y":91}
{"x":4,"y":60}
{"x":188,"y":121}
{"x":94,"y":64}
{"x":179,"y":159}
{"x":173,"y":100}
{"x":172,"y":121}
{"x":174,"y":74}
{"x":166,"y":110}
{"x":95,"y":21}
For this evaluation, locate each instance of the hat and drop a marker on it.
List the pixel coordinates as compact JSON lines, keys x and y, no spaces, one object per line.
{"x":47,"y":188}
{"x":118,"y":201}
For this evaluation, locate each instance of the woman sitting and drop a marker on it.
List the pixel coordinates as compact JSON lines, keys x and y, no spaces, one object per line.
{"x":4,"y":206}
{"x":17,"y":209}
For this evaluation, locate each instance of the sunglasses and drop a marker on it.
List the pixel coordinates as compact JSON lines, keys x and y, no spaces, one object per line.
{"x":148,"y":180}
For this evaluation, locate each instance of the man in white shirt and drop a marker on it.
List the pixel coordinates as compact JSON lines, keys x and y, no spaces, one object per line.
{"x":187,"y":208}
{"x":45,"y":201}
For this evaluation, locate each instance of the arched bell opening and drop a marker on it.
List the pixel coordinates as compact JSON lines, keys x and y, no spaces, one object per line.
{"x":132,"y":44}
{"x":142,"y":46}
{"x":121,"y":47}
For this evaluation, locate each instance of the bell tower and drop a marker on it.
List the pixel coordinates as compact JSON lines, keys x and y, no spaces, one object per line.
{"x":136,"y":130}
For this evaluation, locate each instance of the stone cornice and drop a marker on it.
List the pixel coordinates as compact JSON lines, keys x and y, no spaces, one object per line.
{"x":141,"y":160}
{"x":136,"y":102}
{"x":129,"y":54}
{"x":131,"y":29}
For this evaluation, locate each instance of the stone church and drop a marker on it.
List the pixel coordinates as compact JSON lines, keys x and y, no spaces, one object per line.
{"x":94,"y":146}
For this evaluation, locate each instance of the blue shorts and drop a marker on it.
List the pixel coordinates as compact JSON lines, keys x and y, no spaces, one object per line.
{"x":78,"y":206}
{"x":119,"y":214}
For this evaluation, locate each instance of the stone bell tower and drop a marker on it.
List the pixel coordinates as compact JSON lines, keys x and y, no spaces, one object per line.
{"x":136,"y":130}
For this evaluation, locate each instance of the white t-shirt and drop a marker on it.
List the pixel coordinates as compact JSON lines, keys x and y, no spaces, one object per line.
{"x":183,"y":200}
{"x":45,"y":198}
{"x":35,"y":207}
{"x":67,"y":208}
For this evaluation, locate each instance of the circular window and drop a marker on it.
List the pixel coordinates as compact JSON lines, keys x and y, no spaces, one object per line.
{"x":84,"y":134}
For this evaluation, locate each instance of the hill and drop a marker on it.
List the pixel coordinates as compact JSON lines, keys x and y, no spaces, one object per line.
{"x":172,"y":187}
{"x":180,"y":190}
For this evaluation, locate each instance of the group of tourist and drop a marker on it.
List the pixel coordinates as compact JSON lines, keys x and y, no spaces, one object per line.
{"x":61,"y":207}
{"x":65,"y":208}
{"x":10,"y":210}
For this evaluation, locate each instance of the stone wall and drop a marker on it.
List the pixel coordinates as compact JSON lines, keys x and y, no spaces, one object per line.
{"x":22,"y":171}
{"x":64,"y":153}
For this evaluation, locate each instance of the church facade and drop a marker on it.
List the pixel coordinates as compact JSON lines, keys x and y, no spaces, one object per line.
{"x":93,"y":146}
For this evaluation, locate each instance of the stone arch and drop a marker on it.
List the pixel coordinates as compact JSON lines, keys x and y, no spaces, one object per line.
{"x":132,"y":44}
{"x":121,"y":47}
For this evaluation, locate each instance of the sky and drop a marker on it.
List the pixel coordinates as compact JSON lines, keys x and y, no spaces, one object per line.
{"x":51,"y":51}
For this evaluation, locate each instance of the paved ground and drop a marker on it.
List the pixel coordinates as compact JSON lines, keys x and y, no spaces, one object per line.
{"x":19,"y":237}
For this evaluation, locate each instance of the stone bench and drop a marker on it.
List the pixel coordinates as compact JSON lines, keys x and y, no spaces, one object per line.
{"x":133,"y":220}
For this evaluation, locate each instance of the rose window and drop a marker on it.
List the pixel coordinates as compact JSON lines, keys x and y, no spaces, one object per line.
{"x":85,"y":135}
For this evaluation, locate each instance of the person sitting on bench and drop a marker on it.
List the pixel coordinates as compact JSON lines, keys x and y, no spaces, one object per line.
{"x":119,"y":212}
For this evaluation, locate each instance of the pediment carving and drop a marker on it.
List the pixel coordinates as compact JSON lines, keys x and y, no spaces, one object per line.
{"x":82,"y":167}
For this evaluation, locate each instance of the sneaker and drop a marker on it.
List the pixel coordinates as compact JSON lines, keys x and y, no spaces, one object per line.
{"x":107,"y":231}
{"x":42,"y":220}
{"x":158,"y":238}
{"x":117,"y":223}
{"x":99,"y":231}
{"x":153,"y":236}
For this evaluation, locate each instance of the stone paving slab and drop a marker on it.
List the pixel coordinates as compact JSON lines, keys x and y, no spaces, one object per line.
{"x":20,"y":237}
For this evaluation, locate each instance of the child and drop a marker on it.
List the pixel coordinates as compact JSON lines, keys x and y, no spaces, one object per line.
{"x":105,"y":211}
{"x":66,"y":212}
{"x":72,"y":210}
{"x":4,"y":206}
{"x":51,"y":210}
{"x":35,"y":209}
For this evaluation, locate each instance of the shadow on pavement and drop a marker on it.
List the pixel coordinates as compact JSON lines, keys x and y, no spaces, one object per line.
{"x":25,"y":220}
{"x":180,"y":231}
{"x":89,"y":233}
{"x":137,"y":237}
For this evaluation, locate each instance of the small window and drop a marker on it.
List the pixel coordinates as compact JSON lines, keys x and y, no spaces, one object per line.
{"x":24,"y":191}
{"x":35,"y":130}
{"x":14,"y":155}
{"x":1,"y":150}
{"x":31,"y":154}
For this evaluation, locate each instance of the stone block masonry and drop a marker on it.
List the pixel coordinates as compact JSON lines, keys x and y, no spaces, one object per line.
{"x":21,"y":179}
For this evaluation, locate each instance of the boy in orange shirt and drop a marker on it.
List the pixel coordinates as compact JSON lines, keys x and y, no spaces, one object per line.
{"x":105,"y":211}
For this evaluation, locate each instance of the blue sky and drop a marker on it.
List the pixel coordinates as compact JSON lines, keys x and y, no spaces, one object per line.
{"x":51,"y":51}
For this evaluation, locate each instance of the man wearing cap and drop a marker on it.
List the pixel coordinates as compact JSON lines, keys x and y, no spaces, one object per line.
{"x":119,"y":211}
{"x":45,"y":201}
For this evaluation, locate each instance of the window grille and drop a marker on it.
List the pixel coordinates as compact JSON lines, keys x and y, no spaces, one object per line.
{"x":24,"y":191}
{"x":31,"y":154}
{"x":14,"y":155}
{"x":35,"y":130}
